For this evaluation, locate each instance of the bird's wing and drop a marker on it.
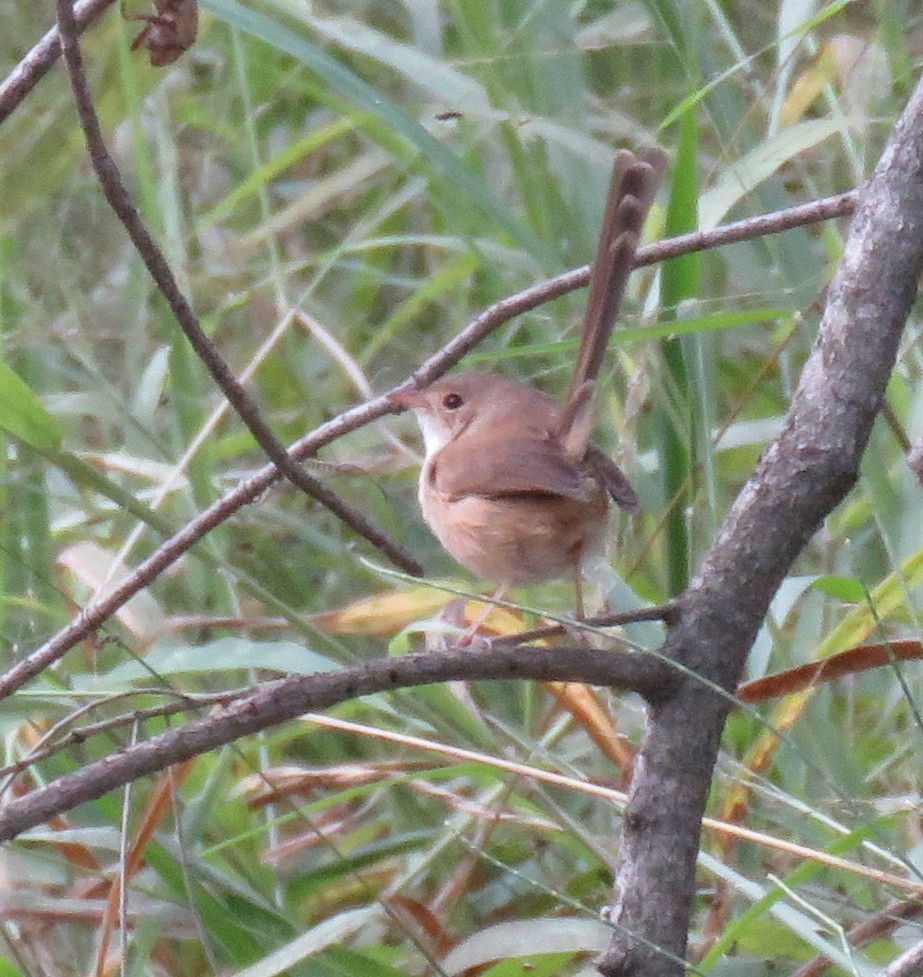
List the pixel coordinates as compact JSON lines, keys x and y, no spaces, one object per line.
{"x":503,"y":467}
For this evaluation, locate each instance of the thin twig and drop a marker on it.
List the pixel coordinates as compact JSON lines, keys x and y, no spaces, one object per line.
{"x":876,"y":927}
{"x":120,"y":200}
{"x":36,"y":64}
{"x":491,"y":318}
{"x":50,"y":745}
{"x":661,"y":612}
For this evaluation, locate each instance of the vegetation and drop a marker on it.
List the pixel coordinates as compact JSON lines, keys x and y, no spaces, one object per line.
{"x":339,"y":188}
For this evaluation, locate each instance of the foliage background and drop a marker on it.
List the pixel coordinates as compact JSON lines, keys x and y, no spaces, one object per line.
{"x":390,"y":169}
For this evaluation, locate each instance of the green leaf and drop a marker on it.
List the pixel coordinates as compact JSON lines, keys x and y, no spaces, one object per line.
{"x":333,"y":931}
{"x":349,"y":85}
{"x":225,"y":654}
{"x":23,"y":416}
{"x":674,"y":414}
{"x":844,"y":588}
{"x":349,"y":963}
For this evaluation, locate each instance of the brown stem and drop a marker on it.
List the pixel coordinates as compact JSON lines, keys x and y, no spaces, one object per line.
{"x":36,"y":64}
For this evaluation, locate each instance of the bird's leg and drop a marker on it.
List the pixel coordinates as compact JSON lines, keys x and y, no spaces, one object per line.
{"x":468,"y":637}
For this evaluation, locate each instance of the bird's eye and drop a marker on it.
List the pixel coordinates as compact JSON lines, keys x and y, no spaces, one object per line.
{"x":452,"y":401}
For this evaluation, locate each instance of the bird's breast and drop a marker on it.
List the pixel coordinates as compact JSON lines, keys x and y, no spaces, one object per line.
{"x":515,"y":537}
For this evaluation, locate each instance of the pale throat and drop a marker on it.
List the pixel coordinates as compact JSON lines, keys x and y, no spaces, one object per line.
{"x":435,"y":434}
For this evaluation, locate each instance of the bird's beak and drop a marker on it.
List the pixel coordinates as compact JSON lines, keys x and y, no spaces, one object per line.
{"x":407,"y":397}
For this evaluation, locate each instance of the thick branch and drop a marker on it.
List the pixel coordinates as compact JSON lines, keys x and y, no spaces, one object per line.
{"x":55,"y":739}
{"x":802,"y":476}
{"x":284,"y":699}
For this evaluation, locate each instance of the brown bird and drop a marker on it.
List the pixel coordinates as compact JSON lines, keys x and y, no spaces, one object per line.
{"x":511,"y":484}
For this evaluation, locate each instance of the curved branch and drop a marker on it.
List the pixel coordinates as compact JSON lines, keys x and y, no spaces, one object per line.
{"x":801,"y":477}
{"x":287,"y":698}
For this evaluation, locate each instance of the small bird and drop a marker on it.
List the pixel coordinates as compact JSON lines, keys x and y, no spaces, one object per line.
{"x":511,"y":485}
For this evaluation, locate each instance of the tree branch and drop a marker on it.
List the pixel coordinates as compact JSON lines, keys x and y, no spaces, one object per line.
{"x":36,"y":64}
{"x":278,"y":701}
{"x":54,"y":740}
{"x":801,"y":477}
{"x":491,"y":318}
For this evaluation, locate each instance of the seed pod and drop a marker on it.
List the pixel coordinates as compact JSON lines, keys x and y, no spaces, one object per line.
{"x":169,"y":31}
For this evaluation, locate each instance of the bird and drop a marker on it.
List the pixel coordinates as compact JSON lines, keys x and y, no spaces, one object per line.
{"x":511,"y":484}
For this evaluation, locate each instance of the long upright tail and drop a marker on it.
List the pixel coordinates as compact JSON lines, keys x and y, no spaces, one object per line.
{"x":632,"y":189}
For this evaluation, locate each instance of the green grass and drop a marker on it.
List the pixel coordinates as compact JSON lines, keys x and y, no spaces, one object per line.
{"x":393,"y":169}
